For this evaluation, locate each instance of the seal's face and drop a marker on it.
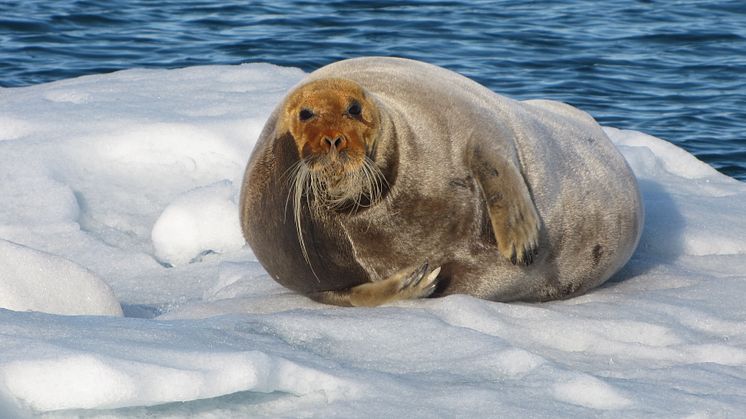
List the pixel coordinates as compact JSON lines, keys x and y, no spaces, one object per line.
{"x":334,"y":126}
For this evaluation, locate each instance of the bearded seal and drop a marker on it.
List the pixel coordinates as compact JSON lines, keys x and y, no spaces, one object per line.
{"x":378,"y":179}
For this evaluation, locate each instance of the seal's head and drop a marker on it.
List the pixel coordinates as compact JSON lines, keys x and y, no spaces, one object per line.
{"x":334,"y":124}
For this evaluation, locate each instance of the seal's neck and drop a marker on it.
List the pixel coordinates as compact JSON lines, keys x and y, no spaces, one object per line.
{"x":385,"y":150}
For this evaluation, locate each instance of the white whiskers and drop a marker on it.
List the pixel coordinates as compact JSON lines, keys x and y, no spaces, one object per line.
{"x":331,"y":189}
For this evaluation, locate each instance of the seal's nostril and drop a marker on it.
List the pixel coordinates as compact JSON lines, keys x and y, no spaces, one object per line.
{"x":327,"y":143}
{"x":338,"y":143}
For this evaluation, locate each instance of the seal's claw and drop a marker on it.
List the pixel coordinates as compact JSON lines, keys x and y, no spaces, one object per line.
{"x":519,"y":244}
{"x":415,"y":278}
{"x":430,"y":282}
{"x":420,"y":284}
{"x":528,"y":256}
{"x":403,"y":285}
{"x":513,"y":257}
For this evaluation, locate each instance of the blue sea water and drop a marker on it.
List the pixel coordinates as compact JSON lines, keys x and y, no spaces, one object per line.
{"x":673,"y":69}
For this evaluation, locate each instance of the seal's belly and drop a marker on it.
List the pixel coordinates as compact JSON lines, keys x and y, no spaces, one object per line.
{"x":414,"y":227}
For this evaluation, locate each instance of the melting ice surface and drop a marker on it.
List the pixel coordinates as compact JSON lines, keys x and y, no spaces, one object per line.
{"x":122,"y":188}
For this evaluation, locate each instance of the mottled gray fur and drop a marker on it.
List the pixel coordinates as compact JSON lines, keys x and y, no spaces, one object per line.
{"x":445,"y":133}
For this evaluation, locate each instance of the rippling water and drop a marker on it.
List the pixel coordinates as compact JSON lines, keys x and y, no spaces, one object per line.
{"x":674,"y":69}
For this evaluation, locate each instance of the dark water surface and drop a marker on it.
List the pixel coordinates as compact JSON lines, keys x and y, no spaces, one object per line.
{"x":673,"y":69}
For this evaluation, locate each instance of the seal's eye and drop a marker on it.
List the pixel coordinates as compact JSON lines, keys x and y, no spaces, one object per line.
{"x":354,"y":109}
{"x":305,"y":115}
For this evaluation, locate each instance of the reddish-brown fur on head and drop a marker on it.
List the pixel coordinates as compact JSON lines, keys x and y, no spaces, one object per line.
{"x":333,"y":123}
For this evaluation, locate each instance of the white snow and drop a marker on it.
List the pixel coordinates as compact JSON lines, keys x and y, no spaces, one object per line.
{"x":31,"y":280}
{"x":201,"y":220}
{"x":590,"y":392}
{"x":122,"y":189}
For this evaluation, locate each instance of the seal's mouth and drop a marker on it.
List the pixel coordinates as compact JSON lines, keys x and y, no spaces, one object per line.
{"x":334,"y":166}
{"x":341,"y":169}
{"x":338,"y":181}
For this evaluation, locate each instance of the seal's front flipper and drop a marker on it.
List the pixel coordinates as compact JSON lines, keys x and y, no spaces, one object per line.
{"x":512,"y":211}
{"x":403,"y":285}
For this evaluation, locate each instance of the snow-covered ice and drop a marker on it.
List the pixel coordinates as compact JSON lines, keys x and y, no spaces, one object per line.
{"x":204,"y":219}
{"x":119,"y":197}
{"x":31,"y":280}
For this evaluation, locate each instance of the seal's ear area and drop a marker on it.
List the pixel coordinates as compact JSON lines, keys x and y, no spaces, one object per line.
{"x":515,"y":221}
{"x":285,"y":149}
{"x":290,"y":109}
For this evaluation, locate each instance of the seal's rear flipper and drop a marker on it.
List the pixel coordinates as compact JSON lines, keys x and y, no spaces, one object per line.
{"x":401,"y":286}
